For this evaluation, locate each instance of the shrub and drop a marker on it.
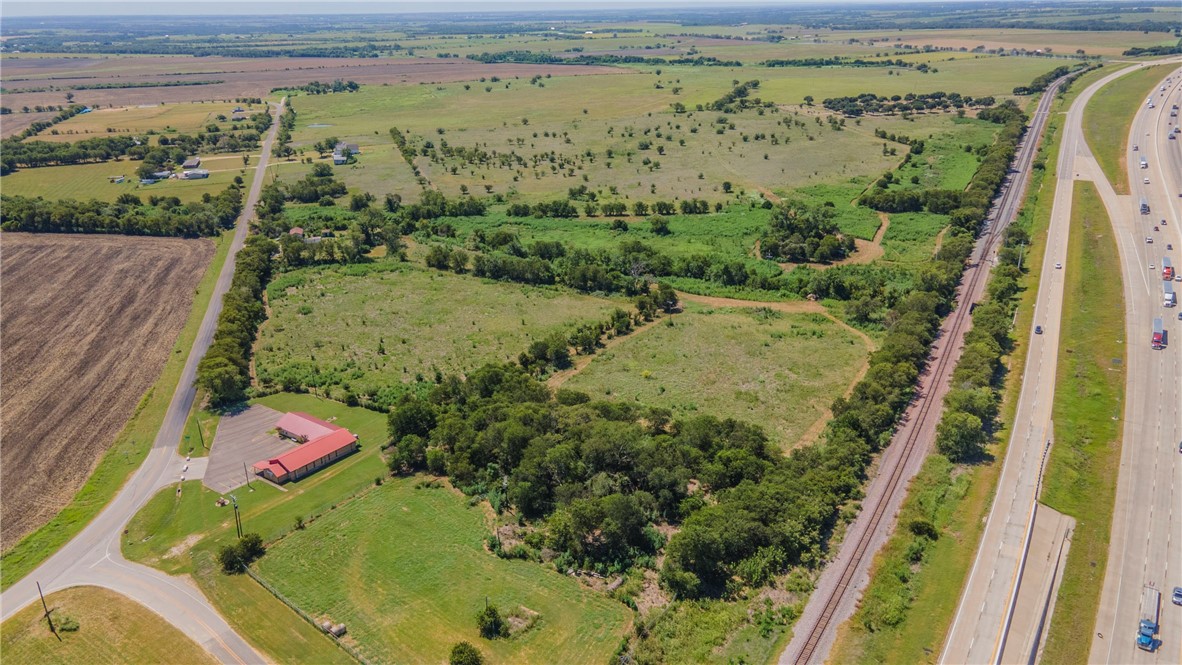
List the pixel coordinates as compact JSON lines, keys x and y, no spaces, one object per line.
{"x":490,"y":623}
{"x":463,"y":653}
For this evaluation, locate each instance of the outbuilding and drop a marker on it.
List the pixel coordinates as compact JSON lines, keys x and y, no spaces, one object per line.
{"x":308,"y":458}
{"x":191,"y":163}
{"x":303,"y":427}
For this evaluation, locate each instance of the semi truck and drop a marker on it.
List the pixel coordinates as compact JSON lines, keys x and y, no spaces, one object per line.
{"x":1167,"y":269}
{"x":1169,"y":298}
{"x":1144,"y":163}
{"x":1147,"y":627}
{"x":1159,"y":334}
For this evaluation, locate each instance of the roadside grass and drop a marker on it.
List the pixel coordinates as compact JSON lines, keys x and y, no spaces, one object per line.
{"x":111,"y":628}
{"x":409,"y":599}
{"x":1107,"y":119}
{"x":1089,"y":398}
{"x":90,"y":181}
{"x":933,"y":590}
{"x":382,"y":329}
{"x":200,"y":428}
{"x":712,"y":631}
{"x":125,"y":454}
{"x":746,"y":364}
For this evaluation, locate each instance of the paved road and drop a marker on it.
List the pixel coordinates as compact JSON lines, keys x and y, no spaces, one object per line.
{"x":979,"y":627}
{"x":93,"y":557}
{"x":1146,"y":544}
{"x":846,"y":576}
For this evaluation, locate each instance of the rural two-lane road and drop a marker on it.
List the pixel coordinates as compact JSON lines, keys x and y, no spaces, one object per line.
{"x":94,"y":558}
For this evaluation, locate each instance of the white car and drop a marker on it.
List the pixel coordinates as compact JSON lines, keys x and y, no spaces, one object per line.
{"x":1058,"y":266}
{"x":1151,"y":266}
{"x":1145,"y":180}
{"x":1148,"y":240}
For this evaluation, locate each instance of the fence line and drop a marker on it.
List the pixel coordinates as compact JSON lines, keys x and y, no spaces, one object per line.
{"x":306,"y":617}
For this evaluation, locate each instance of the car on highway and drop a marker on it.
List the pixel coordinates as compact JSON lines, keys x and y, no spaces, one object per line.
{"x":1169,"y":246}
{"x":1136,"y":148}
{"x":1058,"y":266}
{"x":1163,"y":222}
{"x":1177,"y":597}
{"x":1145,"y":180}
{"x":1151,"y":266}
{"x":1037,"y":330}
{"x":1148,"y":240}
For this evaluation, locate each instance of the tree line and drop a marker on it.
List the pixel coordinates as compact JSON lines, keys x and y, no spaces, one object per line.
{"x":868,"y":102}
{"x":114,"y":86}
{"x":541,"y":58}
{"x":224,"y":371}
{"x":319,"y":88}
{"x":836,"y":60}
{"x":128,"y":215}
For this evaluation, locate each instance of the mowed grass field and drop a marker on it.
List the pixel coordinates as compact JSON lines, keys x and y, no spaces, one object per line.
{"x":111,"y":629}
{"x":774,"y":369}
{"x":385,"y":327}
{"x":406,"y":570}
{"x":1089,"y":401}
{"x":186,"y":118}
{"x":1108,"y":116}
{"x":92,"y":181}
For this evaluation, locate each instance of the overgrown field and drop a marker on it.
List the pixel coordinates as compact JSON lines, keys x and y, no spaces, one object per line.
{"x":775,"y":369}
{"x":89,"y":322}
{"x":409,"y":599}
{"x":381,"y":329}
{"x":109,"y":628}
{"x":164,"y":119}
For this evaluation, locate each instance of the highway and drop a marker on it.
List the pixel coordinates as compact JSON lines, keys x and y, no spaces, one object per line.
{"x":1146,"y":544}
{"x":93,"y":557}
{"x":980,"y":626}
{"x":846,"y":576}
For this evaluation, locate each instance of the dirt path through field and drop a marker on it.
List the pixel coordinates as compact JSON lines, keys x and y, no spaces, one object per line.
{"x":88,"y":323}
{"x":558,"y":378}
{"x":795,"y":307}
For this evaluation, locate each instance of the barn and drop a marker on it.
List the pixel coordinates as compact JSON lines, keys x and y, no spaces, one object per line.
{"x":322,"y":444}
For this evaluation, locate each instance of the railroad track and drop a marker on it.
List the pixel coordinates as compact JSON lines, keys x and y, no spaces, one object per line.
{"x":1004,"y":211}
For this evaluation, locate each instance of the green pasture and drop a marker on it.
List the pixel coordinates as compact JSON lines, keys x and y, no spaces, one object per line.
{"x":405,"y":568}
{"x":92,"y":181}
{"x":778,"y":370}
{"x":388,"y":327}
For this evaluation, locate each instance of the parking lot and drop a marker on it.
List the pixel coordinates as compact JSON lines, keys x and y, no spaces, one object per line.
{"x":241,"y":440}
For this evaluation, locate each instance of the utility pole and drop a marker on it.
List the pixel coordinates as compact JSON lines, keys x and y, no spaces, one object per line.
{"x":199,"y":432}
{"x":237,"y":517}
{"x":49,"y":618}
{"x":247,"y":474}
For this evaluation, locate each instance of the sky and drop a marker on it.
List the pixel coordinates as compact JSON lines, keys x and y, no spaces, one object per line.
{"x":256,"y":7}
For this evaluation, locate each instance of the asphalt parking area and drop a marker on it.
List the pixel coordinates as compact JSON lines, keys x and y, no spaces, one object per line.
{"x":242,"y":439}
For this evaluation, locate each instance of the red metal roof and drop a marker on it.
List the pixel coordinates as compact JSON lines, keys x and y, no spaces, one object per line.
{"x":305,"y":425}
{"x":309,"y":452}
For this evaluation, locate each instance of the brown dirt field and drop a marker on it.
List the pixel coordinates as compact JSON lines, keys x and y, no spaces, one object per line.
{"x":245,"y":77}
{"x":88,"y":322}
{"x":16,"y":122}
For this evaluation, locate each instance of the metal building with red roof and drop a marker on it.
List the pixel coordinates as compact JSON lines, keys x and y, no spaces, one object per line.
{"x":329,"y":444}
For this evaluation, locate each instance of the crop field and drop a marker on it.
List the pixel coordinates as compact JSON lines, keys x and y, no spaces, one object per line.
{"x":405,"y":568}
{"x":111,"y":629}
{"x":775,"y":369}
{"x":93,"y":181}
{"x":138,"y":120}
{"x":242,"y":77}
{"x":88,"y":324}
{"x":385,"y":327}
{"x":1106,"y":42}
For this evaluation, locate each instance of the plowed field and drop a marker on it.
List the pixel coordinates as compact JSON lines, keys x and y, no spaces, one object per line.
{"x":88,"y":322}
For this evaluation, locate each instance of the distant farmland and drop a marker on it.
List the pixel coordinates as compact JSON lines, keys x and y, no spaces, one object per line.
{"x":88,"y":324}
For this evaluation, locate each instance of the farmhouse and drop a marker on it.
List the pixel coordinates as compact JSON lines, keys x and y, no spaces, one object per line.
{"x":322,"y":444}
{"x":338,"y":159}
{"x":341,"y":147}
{"x":194,"y":174}
{"x":191,"y":163}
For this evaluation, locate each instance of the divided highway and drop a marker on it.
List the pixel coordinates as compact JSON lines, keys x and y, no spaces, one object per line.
{"x":93,"y":557}
{"x":844,"y":579}
{"x":1146,"y":544}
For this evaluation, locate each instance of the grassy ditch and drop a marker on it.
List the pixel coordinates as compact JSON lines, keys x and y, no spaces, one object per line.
{"x":1089,"y":397}
{"x":910,"y":604}
{"x":125,"y":454}
{"x":1108,"y":116}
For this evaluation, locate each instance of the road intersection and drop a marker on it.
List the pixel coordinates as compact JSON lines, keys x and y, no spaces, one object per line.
{"x":93,"y":557}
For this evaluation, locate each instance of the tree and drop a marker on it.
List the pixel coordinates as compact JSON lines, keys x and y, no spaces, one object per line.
{"x":659,"y":224}
{"x":490,"y":623}
{"x":464,"y":653}
{"x":808,"y":100}
{"x":960,"y":436}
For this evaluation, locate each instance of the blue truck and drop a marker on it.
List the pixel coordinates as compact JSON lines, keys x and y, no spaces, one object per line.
{"x":1147,"y":628}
